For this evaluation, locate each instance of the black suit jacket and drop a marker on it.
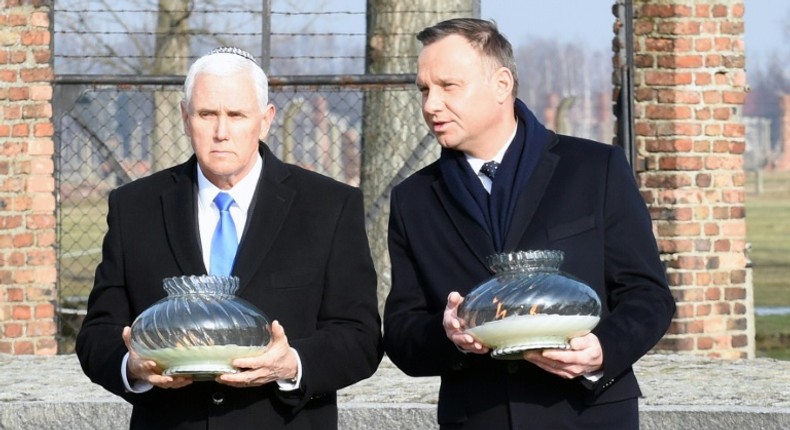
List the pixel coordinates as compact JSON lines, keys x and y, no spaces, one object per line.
{"x":304,"y":260}
{"x":582,"y":199}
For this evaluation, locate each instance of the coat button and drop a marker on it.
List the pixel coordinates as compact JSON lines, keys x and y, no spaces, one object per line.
{"x":217,"y":398}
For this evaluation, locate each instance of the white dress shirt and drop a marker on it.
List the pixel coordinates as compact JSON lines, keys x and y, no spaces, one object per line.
{"x":208,"y":213}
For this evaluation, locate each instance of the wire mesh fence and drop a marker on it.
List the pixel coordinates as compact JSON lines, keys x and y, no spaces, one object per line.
{"x":117,"y":101}
{"x":111,"y":134}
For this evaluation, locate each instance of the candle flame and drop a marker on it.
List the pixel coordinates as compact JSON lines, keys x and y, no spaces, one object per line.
{"x":500,"y":313}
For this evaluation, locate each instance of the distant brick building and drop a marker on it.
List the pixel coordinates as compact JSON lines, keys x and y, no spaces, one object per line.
{"x":689,"y":88}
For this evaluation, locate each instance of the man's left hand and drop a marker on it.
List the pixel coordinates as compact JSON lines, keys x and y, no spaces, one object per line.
{"x":278,"y":362}
{"x":583,"y":358}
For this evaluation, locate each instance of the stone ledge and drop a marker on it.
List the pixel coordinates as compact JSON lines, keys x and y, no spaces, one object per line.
{"x":114,"y":415}
{"x":680,"y":392}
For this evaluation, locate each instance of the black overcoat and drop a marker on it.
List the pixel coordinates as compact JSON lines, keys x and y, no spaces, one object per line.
{"x":582,"y":199}
{"x":304,"y":260}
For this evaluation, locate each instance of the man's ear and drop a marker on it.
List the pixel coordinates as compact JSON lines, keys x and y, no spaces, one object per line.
{"x":267,"y":118}
{"x":503,"y":79}
{"x":185,"y":119}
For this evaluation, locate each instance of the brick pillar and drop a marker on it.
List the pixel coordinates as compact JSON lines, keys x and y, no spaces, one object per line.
{"x":28,"y":277}
{"x":689,"y":88}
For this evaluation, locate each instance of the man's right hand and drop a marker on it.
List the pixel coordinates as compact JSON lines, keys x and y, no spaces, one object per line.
{"x":455,"y":327}
{"x":138,"y":369}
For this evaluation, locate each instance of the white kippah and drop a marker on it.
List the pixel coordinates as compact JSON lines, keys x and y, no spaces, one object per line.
{"x":233,"y":50}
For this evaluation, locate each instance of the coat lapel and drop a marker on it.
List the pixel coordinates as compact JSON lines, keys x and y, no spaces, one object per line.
{"x":530,"y":197}
{"x":180,"y":217}
{"x":471,"y":232}
{"x":272,"y":203}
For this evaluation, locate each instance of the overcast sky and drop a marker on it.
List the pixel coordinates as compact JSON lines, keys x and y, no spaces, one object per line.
{"x":591,"y":21}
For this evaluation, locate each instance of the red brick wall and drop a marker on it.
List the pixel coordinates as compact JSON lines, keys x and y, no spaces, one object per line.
{"x":689,"y":88}
{"x":27,"y":181}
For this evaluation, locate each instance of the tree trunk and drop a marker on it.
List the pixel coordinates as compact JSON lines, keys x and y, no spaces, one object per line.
{"x":170,"y":145}
{"x":394,"y":143}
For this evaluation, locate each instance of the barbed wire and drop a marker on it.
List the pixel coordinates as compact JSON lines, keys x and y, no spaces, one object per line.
{"x":199,"y":32}
{"x":109,"y":34}
{"x":273,"y":57}
{"x":254,"y":11}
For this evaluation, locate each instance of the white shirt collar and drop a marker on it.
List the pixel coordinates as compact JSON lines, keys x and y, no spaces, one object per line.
{"x":242,"y":192}
{"x":477,"y":163}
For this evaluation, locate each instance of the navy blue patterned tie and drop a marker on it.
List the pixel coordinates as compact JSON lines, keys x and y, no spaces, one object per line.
{"x":224,"y":242}
{"x":489,"y":169}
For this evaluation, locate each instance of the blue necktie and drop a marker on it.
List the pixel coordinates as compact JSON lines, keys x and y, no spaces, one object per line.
{"x":224,"y":242}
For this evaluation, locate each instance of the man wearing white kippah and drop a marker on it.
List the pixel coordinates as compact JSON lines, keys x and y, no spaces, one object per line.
{"x":296,"y":241}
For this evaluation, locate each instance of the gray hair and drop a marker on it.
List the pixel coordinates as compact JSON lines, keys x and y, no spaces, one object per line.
{"x":226,"y":62}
